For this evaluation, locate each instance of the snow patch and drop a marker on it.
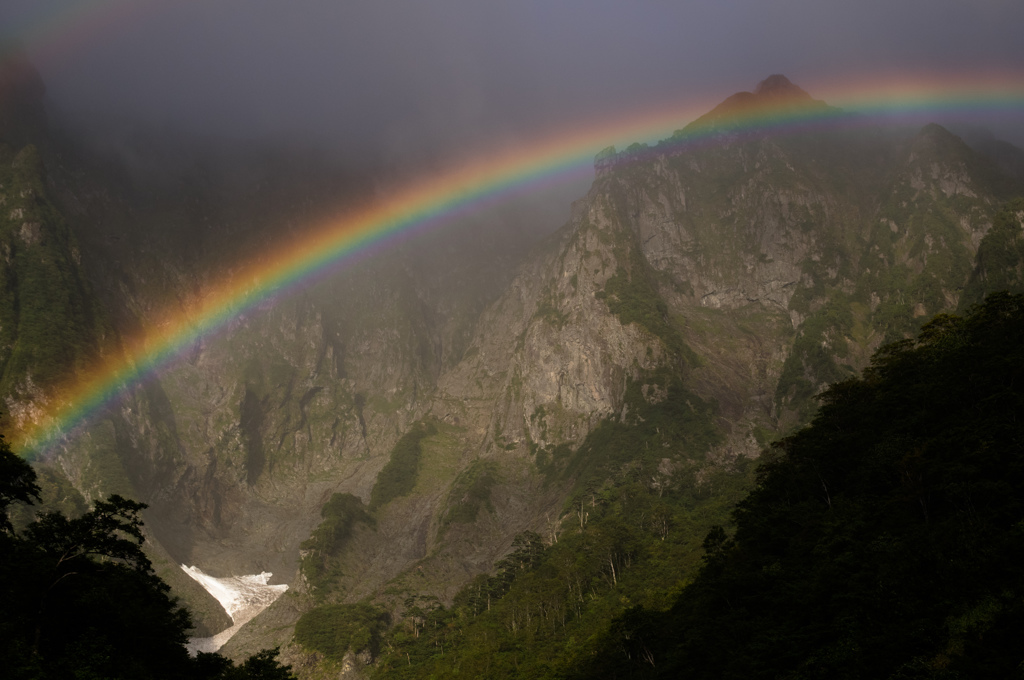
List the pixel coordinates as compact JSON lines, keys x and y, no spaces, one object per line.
{"x":243,"y":597}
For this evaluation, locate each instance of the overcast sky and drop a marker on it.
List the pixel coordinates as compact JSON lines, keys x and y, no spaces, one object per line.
{"x":420,"y":78}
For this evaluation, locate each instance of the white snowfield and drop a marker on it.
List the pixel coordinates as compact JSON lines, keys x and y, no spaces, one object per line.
{"x":242,"y":597}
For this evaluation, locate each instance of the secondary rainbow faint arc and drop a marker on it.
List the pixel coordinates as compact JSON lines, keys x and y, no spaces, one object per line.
{"x":427,"y":201}
{"x":55,"y":33}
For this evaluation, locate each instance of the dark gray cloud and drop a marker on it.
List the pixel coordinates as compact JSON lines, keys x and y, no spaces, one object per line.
{"x":413,"y":79}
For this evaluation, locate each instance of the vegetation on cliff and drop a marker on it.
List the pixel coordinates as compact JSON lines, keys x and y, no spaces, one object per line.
{"x":50,"y":323}
{"x":643,"y":493}
{"x":1000,"y":260}
{"x":399,"y":474}
{"x":320,"y":551}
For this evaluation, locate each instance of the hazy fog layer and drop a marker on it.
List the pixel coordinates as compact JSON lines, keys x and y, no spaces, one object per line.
{"x":410,"y":82}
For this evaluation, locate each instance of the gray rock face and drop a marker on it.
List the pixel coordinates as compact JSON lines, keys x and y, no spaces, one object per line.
{"x":549,"y":360}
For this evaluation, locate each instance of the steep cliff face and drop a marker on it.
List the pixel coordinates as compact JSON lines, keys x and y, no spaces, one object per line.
{"x":549,"y":359}
{"x":732,"y":279}
{"x":852,"y":235}
{"x":238,"y":445}
{"x":761,"y":268}
{"x":50,"y":324}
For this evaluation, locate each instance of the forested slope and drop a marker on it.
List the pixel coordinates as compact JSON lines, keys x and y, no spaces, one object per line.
{"x":884,"y":540}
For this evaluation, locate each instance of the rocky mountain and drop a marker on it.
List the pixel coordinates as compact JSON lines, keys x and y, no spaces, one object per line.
{"x":386,"y":433}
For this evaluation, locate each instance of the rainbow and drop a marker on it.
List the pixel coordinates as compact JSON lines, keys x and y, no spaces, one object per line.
{"x":494,"y":176}
{"x":423,"y":204}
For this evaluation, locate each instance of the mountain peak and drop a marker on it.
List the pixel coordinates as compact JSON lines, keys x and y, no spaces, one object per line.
{"x":778,"y":86}
{"x":776,"y":93}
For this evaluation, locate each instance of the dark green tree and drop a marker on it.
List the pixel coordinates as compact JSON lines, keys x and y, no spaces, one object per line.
{"x":262,"y":665}
{"x":17,"y":484}
{"x":79,"y":598}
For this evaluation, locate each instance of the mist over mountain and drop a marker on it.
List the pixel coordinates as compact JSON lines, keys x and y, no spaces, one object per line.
{"x":424,"y":434}
{"x":22,"y":112}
